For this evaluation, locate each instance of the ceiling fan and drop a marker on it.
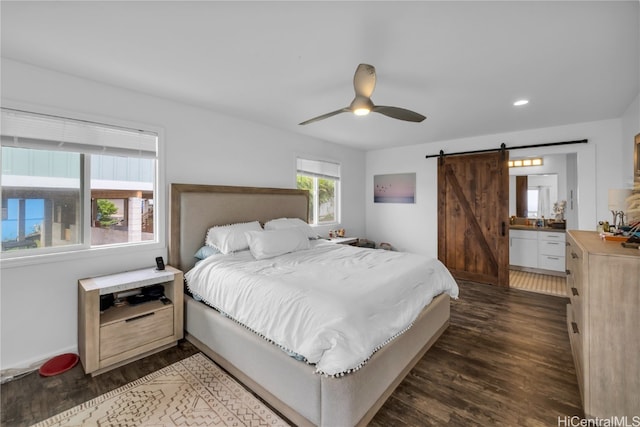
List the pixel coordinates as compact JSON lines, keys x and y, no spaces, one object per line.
{"x":364,"y":81}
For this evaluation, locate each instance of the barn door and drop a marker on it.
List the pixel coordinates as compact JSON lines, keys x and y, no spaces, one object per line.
{"x":473,"y":211}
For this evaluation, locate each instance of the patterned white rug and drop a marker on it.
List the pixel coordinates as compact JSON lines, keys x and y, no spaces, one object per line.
{"x":193,"y":391}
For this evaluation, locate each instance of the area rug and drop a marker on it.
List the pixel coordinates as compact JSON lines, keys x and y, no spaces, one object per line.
{"x":192,"y":392}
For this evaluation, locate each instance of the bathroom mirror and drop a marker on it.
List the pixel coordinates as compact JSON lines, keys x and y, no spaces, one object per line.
{"x":533,"y":195}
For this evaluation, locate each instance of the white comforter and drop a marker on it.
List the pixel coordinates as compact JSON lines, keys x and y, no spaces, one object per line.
{"x":333,"y":304}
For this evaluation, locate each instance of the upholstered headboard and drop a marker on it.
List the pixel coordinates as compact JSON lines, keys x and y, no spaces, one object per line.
{"x":195,"y":208}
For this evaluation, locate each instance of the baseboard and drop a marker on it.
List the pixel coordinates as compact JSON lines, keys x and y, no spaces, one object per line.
{"x":18,"y":370}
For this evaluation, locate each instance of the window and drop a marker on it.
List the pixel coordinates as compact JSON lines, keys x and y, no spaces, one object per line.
{"x":532,"y":203}
{"x":322,"y":180}
{"x":69,"y":184}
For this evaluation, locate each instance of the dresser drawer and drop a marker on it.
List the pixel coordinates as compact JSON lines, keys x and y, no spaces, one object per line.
{"x":575,"y":339}
{"x":574,"y":259}
{"x":125,"y":335}
{"x":577,"y":308}
{"x":569,"y":283}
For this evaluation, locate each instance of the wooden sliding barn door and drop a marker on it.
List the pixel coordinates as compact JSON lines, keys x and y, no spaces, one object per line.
{"x":473,"y":215}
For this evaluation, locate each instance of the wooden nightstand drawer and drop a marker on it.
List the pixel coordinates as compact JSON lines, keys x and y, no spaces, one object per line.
{"x":125,"y":335}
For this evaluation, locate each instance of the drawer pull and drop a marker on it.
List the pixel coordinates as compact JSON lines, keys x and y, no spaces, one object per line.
{"x":553,"y":243}
{"x":573,"y":255}
{"x":574,"y":291}
{"x":140,"y":317}
{"x":574,"y":326}
{"x":553,"y":257}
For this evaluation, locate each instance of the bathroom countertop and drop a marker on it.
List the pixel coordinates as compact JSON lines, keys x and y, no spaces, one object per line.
{"x":533,"y":228}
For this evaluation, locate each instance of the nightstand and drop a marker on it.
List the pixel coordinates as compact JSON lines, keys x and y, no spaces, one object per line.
{"x":353,"y":241}
{"x":124,"y":333}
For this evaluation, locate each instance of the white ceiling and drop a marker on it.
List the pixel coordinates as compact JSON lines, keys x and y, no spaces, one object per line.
{"x":462,"y":64}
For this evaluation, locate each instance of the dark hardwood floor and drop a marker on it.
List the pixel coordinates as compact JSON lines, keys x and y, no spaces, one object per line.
{"x":505,"y":360}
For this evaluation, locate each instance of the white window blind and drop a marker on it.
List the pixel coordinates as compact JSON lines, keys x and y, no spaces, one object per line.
{"x":36,"y":131}
{"x":319,"y":169}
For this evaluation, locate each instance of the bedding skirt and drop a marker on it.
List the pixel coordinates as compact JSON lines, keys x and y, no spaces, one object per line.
{"x":293,"y":387}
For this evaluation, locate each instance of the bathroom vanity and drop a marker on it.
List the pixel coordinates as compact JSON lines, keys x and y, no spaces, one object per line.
{"x":537,"y":249}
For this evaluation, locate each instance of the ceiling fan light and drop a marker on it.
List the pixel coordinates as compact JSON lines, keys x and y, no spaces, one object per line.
{"x":361,"y":106}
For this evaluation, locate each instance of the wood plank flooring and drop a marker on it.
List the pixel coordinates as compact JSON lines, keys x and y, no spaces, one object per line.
{"x":505,"y":360}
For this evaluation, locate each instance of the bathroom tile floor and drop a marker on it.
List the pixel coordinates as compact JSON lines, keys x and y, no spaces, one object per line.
{"x":539,"y":283}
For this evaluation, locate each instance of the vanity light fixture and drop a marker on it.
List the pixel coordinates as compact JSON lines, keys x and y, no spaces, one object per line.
{"x":525,"y":162}
{"x":521,"y":102}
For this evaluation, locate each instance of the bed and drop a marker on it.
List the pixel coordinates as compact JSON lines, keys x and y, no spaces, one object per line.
{"x":293,"y":387}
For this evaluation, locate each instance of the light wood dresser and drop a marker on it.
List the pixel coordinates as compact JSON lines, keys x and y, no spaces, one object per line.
{"x":603,"y":318}
{"x":118,"y":335}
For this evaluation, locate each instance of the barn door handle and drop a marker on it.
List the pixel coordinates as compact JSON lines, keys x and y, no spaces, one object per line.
{"x":504,"y":228}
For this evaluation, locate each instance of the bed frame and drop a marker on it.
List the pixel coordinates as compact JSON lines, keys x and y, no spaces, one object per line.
{"x":290,"y":386}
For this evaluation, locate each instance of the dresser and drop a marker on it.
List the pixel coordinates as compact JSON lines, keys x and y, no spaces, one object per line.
{"x":603,"y":319}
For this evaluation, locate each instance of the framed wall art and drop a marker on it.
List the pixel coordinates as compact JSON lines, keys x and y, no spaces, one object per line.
{"x":394,"y":188}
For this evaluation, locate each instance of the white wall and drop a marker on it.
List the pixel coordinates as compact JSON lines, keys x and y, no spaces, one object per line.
{"x":38,"y":303}
{"x":630,"y":128}
{"x":414,"y":227}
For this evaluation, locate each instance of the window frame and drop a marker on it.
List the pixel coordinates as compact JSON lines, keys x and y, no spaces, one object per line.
{"x":84,"y":250}
{"x":315,"y":196}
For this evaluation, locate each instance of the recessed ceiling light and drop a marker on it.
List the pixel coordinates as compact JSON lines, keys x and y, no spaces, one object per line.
{"x":521,"y":102}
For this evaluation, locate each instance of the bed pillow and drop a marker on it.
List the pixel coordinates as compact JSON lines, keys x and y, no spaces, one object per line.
{"x":271,"y":243}
{"x":206,"y":252}
{"x":231,"y":238}
{"x":285,"y":223}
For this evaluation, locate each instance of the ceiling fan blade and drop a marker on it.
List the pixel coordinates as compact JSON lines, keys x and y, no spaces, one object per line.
{"x":399,"y":113}
{"x":364,"y":80}
{"x":325,"y":116}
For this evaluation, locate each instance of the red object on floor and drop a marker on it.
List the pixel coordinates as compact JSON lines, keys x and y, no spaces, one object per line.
{"x":59,"y":364}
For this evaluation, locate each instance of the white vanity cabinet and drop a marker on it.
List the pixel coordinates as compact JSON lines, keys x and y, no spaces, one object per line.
{"x":551,"y":250}
{"x":537,"y":249}
{"x":523,"y":248}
